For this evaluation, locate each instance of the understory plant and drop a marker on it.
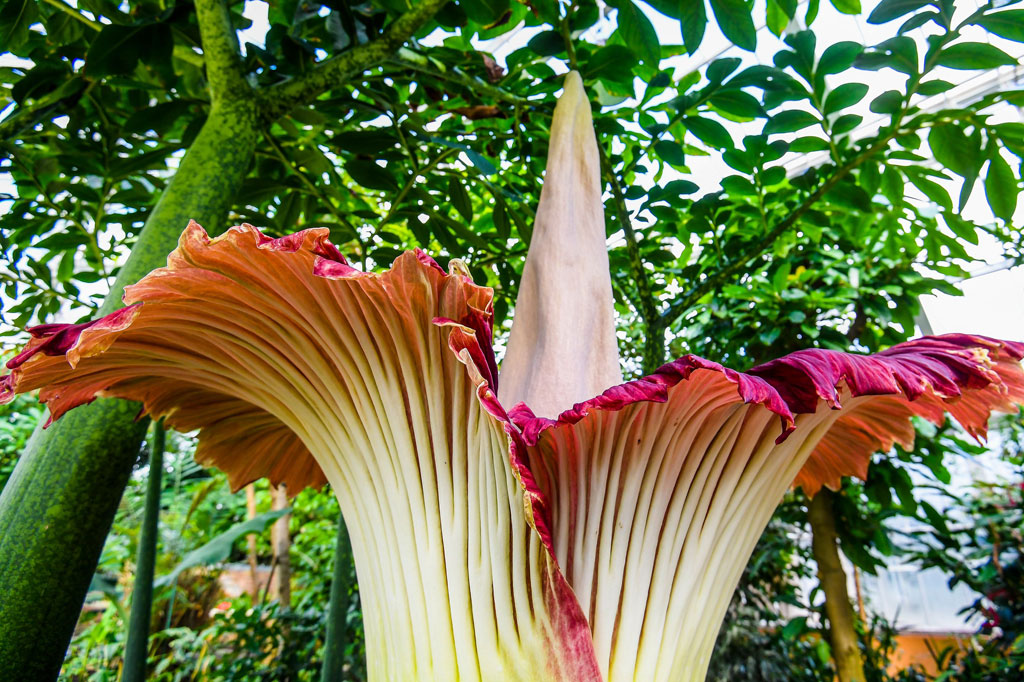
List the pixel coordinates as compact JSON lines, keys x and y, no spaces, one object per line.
{"x":562,"y":526}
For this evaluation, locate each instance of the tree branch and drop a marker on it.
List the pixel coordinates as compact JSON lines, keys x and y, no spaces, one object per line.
{"x":279,"y":99}
{"x":220,"y":52}
{"x":410,"y":60}
{"x":654,"y":341}
{"x":688,"y":300}
{"x":75,"y":14}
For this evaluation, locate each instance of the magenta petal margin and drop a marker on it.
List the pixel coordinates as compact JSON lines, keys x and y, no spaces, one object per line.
{"x":245,"y":312}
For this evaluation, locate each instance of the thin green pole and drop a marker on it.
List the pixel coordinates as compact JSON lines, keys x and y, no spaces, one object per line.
{"x":137,"y":647}
{"x":337,"y":611}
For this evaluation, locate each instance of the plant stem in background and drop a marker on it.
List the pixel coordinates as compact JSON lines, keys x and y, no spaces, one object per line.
{"x":282,"y":542}
{"x":337,"y":614}
{"x":250,"y":513}
{"x":137,"y":646}
{"x":842,"y":632}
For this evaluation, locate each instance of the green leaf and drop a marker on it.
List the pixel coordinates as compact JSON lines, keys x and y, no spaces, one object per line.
{"x":219,"y":548}
{"x":370,"y":175}
{"x":838,"y":57}
{"x":614,"y":62}
{"x":720,"y":69}
{"x":708,"y":131}
{"x":693,"y":19}
{"x":502,"y":226}
{"x":547,"y":43}
{"x":484,"y":12}
{"x":969,"y":56}
{"x":899,"y":54}
{"x":114,"y":51}
{"x":637,"y":31}
{"x":794,"y":628}
{"x":934,"y":87}
{"x":954,"y":150}
{"x":776,"y":18}
{"x":736,"y":21}
{"x":889,"y":102}
{"x":847,"y":6}
{"x":460,"y":199}
{"x":780,"y":279}
{"x":935,"y":192}
{"x":671,"y":152}
{"x":846,"y":123}
{"x":15,"y":19}
{"x":1001,"y":187}
{"x":808,"y":144}
{"x":887,"y":10}
{"x":1008,"y":24}
{"x":738,"y":103}
{"x":789,"y":121}
{"x":846,"y":95}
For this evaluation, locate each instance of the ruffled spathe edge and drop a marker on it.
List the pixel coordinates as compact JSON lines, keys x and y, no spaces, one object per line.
{"x":969,"y":376}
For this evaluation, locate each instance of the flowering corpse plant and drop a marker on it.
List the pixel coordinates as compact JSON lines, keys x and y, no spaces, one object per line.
{"x":599,"y":541}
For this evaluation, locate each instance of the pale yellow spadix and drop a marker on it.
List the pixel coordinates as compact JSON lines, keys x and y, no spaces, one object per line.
{"x":562,"y":349}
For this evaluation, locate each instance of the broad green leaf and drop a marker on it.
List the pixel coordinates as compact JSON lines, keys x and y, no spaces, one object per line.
{"x":1008,"y":24}
{"x":889,"y":102}
{"x":638,"y":32}
{"x":838,"y":57}
{"x":370,"y":175}
{"x":720,"y":69}
{"x":1001,"y":188}
{"x":887,"y":10}
{"x":219,"y":548}
{"x":547,"y":43}
{"x":808,"y":144}
{"x":16,"y":16}
{"x":460,"y":199}
{"x":935,"y":192}
{"x":115,"y":50}
{"x":969,"y":56}
{"x":898,"y":53}
{"x":484,"y":12}
{"x":735,"y":19}
{"x":693,"y":19}
{"x":847,"y":6}
{"x":671,"y":151}
{"x":776,"y":18}
{"x":934,"y":87}
{"x":846,"y":95}
{"x":954,"y":150}
{"x":738,"y":103}
{"x":708,"y":131}
{"x":614,"y":62}
{"x":502,"y":226}
{"x":789,"y":121}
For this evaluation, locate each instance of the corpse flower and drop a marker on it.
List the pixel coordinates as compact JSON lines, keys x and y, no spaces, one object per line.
{"x":600,"y":540}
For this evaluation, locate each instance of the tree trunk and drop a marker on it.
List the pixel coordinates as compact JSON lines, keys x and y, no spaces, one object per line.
{"x":58,"y":506}
{"x":341,"y":584}
{"x":250,"y":513}
{"x":842,"y":631}
{"x":282,"y":542}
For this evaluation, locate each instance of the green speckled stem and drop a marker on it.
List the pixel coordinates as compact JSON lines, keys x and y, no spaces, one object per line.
{"x":57,"y":508}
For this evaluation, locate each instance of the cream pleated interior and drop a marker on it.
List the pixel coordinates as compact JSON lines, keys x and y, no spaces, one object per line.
{"x":656,"y":509}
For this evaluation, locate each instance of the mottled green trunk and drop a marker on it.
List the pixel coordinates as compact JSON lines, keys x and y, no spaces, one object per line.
{"x":57,"y":508}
